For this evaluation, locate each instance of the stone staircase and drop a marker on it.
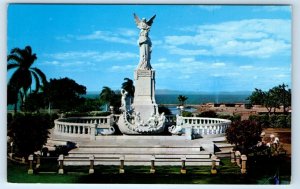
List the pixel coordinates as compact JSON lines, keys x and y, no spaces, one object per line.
{"x":140,"y":152}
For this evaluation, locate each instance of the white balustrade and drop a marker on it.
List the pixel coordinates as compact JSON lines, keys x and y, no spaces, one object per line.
{"x":206,"y":126}
{"x":81,"y":126}
{"x":86,"y":126}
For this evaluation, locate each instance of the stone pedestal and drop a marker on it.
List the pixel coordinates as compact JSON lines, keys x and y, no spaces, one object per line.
{"x":144,"y":95}
{"x":243,"y":167}
{"x":91,"y":170}
{"x":152,"y":170}
{"x":213,"y":165}
{"x":121,"y":169}
{"x":30,"y":159}
{"x":183,"y":169}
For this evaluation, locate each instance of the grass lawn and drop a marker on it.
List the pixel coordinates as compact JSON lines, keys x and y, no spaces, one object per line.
{"x":227,"y":174}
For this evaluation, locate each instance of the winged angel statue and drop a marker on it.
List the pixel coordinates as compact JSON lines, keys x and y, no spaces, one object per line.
{"x":144,"y":42}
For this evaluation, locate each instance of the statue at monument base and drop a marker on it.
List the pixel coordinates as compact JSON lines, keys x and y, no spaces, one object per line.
{"x":131,"y":122}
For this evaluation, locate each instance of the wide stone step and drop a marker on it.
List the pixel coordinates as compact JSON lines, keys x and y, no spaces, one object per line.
{"x":141,"y":151}
{"x":141,"y":156}
{"x":137,"y":160}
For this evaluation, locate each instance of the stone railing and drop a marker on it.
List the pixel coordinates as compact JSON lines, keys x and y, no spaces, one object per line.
{"x":170,"y":120}
{"x":82,"y":127}
{"x":89,"y":127}
{"x":202,"y":127}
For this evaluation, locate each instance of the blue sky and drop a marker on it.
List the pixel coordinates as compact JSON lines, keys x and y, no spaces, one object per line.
{"x":207,"y":48}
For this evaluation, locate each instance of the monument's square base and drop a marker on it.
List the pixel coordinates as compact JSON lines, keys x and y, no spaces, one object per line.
{"x":141,"y":150}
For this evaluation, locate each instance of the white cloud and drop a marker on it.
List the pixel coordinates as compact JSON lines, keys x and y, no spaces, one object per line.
{"x":209,"y":7}
{"x":184,"y":77}
{"x":120,"y":35}
{"x":92,"y":56}
{"x":218,"y":64}
{"x":259,"y":38}
{"x":246,"y":67}
{"x":162,"y":60}
{"x":122,"y":68}
{"x":114,"y":37}
{"x":272,"y":8}
{"x":281,"y":76}
{"x":54,"y":62}
{"x":188,"y":59}
{"x":76,"y":63}
{"x":186,"y":52}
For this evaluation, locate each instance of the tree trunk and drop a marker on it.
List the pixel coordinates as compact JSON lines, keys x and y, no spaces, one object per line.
{"x":15,"y":108}
{"x":49,"y":108}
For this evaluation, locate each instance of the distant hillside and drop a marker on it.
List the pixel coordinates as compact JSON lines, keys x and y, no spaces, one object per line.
{"x":175,"y":92}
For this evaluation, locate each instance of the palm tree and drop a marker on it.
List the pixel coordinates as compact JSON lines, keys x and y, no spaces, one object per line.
{"x":182,"y":99}
{"x":128,"y":86}
{"x":21,"y":80}
{"x":107,"y":95}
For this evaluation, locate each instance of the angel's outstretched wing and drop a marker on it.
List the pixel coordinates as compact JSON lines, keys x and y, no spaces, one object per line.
{"x":136,"y":19}
{"x":149,"y":23}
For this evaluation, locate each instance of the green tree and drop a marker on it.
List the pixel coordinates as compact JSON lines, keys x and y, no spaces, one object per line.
{"x":282,"y":96}
{"x":257,"y":97}
{"x":182,"y":99}
{"x":244,"y":134}
{"x":128,"y":86}
{"x":90,"y":105}
{"x":107,"y":96}
{"x":12,"y":96}
{"x":209,"y":113}
{"x":21,"y":80}
{"x":273,"y":98}
{"x":34,"y":102}
{"x":64,"y":94}
{"x":29,"y":132}
{"x":164,"y":109}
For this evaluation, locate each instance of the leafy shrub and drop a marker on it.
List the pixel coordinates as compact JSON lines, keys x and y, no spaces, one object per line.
{"x":273,"y":121}
{"x":232,"y":118}
{"x":244,"y":134}
{"x":29,"y":132}
{"x":164,"y":109}
{"x":86,"y":114}
{"x":209,"y":113}
{"x":187,"y":114}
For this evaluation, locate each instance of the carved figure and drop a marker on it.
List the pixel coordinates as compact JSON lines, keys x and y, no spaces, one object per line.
{"x":144,"y":41}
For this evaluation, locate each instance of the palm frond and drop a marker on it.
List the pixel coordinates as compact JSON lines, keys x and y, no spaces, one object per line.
{"x":40,"y":74}
{"x":16,"y":51}
{"x":14,"y":58}
{"x":11,"y":66}
{"x":37,"y":82}
{"x":26,"y":80}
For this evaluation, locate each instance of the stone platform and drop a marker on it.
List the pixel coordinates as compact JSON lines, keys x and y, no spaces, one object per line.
{"x":140,"y":150}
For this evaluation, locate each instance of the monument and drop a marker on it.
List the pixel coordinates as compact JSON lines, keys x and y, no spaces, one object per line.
{"x":142,"y":117}
{"x":139,"y":114}
{"x":98,"y":144}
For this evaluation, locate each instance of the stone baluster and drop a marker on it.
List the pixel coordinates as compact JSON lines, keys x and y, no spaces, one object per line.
{"x":11,"y":150}
{"x":232,"y":156}
{"x":93,"y":132}
{"x":30,"y":159}
{"x":121,"y":170}
{"x":38,"y":159}
{"x":61,"y":164}
{"x":202,"y":131}
{"x":183,"y":168}
{"x":92,"y":159}
{"x":152,"y":170}
{"x":238,"y":158}
{"x":188,"y":133}
{"x":111,"y":108}
{"x":213,"y":164}
{"x":244,"y":168}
